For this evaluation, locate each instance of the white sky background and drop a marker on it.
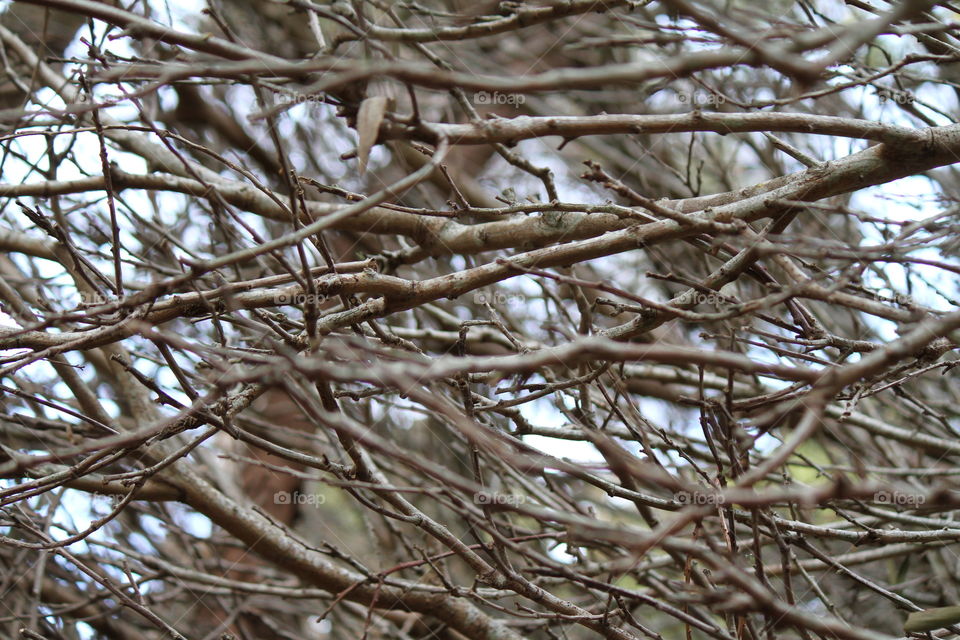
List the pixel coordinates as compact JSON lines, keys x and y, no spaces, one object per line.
{"x":907,"y":199}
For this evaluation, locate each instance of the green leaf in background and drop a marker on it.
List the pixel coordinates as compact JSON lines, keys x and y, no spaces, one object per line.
{"x":932,"y":619}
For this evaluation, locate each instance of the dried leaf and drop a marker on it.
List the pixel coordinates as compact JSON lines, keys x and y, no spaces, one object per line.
{"x":369,"y":118}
